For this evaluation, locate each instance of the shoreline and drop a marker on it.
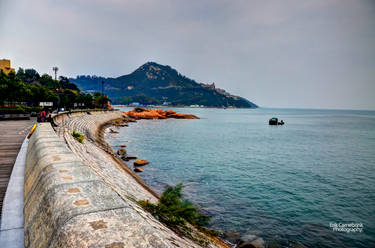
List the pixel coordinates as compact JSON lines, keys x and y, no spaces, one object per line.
{"x":100,"y":157}
{"x":169,"y":106}
{"x":102,"y":142}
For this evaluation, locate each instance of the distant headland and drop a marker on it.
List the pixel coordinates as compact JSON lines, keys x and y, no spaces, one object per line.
{"x":155,"y":84}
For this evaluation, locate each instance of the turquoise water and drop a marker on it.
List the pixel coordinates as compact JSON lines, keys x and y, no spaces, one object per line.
{"x":282,"y":183}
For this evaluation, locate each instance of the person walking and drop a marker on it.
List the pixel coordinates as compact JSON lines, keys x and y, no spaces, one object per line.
{"x":42,"y":116}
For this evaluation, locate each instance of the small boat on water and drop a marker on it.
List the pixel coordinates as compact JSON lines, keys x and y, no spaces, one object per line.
{"x":274,"y":121}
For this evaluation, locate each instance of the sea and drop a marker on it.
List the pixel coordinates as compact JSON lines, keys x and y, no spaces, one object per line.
{"x":310,"y":181}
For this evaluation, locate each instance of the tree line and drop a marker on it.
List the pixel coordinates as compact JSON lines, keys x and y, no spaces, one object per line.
{"x":27,"y":87}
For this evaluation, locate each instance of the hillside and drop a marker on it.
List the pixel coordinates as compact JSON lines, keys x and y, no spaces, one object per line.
{"x":153,"y":83}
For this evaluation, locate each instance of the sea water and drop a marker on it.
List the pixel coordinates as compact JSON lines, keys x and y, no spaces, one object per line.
{"x":295,"y":182}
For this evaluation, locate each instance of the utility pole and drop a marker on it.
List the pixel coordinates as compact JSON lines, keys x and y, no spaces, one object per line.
{"x":102,"y":88}
{"x":102,"y":94}
{"x":55,"y":69}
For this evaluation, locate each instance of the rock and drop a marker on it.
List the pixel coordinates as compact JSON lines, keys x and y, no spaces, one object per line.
{"x":112,"y":131}
{"x":131,"y":157}
{"x":138,"y":169}
{"x":258,"y":243}
{"x":123,"y":157}
{"x":246,"y":245}
{"x":251,"y":239}
{"x":142,"y":113}
{"x":140,"y":162}
{"x":298,"y":245}
{"x":123,"y":146}
{"x":121,"y":152}
{"x":232,"y":236}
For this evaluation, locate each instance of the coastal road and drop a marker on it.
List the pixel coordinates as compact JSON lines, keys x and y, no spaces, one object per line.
{"x":12,"y":134}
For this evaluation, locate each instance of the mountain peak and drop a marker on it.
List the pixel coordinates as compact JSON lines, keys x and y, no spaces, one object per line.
{"x":151,"y":65}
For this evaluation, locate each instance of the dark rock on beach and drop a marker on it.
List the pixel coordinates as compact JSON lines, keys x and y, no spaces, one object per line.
{"x":112,"y":131}
{"x":121,"y":152}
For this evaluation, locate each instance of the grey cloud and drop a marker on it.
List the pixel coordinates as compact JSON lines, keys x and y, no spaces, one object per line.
{"x":316,"y":54}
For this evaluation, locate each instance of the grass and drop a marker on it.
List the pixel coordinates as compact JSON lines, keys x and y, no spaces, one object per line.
{"x":78,"y":136}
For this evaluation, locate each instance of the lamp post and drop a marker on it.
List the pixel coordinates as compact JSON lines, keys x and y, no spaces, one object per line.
{"x":102,"y":88}
{"x":55,"y":69}
{"x":102,"y":94}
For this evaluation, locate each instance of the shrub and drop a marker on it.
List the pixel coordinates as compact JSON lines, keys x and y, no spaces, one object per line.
{"x":19,"y":109}
{"x":173,"y":211}
{"x":79,"y":137}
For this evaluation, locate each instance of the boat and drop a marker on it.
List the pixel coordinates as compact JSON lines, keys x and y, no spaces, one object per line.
{"x":274,"y":121}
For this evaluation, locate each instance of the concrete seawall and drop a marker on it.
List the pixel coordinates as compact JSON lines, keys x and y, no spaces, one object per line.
{"x":77,"y":195}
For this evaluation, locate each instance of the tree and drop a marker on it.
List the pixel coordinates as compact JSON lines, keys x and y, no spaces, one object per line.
{"x":47,"y":81}
{"x":86,"y":99}
{"x":66,"y":84}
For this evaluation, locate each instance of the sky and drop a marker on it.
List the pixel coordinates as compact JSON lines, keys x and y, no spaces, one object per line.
{"x":285,"y":53}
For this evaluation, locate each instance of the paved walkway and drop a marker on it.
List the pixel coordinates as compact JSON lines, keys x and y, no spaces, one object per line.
{"x":12,"y":220}
{"x":12,"y":134}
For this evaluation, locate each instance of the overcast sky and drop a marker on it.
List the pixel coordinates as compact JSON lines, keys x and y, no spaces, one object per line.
{"x":305,"y":54}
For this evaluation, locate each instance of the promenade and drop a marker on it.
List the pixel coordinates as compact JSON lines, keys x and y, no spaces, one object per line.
{"x":12,"y":134}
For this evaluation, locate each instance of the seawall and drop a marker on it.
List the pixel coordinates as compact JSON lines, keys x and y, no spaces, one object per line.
{"x":80,"y":195}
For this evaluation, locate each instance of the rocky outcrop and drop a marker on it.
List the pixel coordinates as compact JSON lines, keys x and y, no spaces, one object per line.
{"x":142,"y":113}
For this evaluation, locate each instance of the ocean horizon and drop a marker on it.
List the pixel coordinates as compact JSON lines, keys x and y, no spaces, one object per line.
{"x":285,"y":184}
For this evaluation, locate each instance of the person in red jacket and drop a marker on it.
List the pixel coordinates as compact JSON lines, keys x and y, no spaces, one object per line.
{"x":42,"y":116}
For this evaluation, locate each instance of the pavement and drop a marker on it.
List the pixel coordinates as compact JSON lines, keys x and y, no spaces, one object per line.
{"x":12,"y":134}
{"x":12,"y":219}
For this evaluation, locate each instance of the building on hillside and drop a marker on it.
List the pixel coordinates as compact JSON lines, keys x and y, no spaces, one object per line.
{"x":5,"y":66}
{"x":209,"y":86}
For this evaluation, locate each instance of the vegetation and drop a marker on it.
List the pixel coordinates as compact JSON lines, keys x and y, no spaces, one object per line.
{"x":78,"y":136}
{"x":141,"y":98}
{"x":180,"y":215}
{"x":18,"y":109}
{"x":27,"y":88}
{"x":173,"y":211}
{"x":13,"y":90}
{"x":156,"y":84}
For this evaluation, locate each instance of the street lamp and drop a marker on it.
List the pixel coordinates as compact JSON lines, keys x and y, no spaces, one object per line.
{"x":102,"y":94}
{"x":55,"y":69}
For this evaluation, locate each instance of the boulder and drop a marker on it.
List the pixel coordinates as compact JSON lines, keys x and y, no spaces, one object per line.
{"x":140,"y":162}
{"x":123,"y":145}
{"x":251,"y":240}
{"x":112,"y":131}
{"x":232,"y":236}
{"x":131,"y":157}
{"x":258,"y":243}
{"x":246,"y":245}
{"x":121,"y":152}
{"x":123,"y":157}
{"x":138,"y":169}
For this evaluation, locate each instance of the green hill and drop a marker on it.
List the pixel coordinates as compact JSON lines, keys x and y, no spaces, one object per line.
{"x":153,"y":83}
